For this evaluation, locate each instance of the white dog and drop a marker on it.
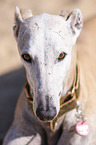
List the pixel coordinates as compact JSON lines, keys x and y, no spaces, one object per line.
{"x":48,"y":112}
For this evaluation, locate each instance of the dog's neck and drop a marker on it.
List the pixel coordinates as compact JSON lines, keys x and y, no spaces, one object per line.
{"x":67,"y":102}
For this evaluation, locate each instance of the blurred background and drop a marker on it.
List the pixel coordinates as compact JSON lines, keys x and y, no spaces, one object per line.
{"x":12,"y":74}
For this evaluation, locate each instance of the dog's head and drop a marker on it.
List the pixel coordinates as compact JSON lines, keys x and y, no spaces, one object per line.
{"x":45,"y":43}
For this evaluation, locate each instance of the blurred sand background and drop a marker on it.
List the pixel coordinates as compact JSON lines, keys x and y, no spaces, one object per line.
{"x":12,"y":74}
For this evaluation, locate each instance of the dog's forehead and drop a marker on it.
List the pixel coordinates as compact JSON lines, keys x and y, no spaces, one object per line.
{"x":45,"y":29}
{"x":47,"y":21}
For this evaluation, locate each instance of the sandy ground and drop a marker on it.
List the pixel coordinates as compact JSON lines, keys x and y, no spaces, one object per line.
{"x":12,"y":74}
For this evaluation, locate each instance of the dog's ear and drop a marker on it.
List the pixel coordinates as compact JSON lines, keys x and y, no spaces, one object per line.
{"x":74,"y":18}
{"x":20,"y":17}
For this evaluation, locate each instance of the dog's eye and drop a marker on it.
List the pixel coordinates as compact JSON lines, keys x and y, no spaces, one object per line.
{"x":61,"y":56}
{"x":27,"y":57}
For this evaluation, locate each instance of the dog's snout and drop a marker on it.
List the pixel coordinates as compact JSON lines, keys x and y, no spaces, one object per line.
{"x":46,"y":115}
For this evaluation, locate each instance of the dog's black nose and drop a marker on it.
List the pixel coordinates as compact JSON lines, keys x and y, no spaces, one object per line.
{"x":46,"y":115}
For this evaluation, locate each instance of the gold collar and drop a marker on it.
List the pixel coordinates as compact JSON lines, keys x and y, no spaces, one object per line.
{"x":67,"y":102}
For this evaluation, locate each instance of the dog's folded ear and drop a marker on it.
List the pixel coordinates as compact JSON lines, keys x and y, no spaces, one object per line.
{"x":20,"y":17}
{"x":74,"y":18}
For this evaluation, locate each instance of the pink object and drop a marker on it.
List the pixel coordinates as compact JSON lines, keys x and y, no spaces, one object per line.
{"x":82,"y":128}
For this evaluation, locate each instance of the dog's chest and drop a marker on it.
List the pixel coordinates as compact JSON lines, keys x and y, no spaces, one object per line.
{"x":67,"y":134}
{"x":64,"y":130}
